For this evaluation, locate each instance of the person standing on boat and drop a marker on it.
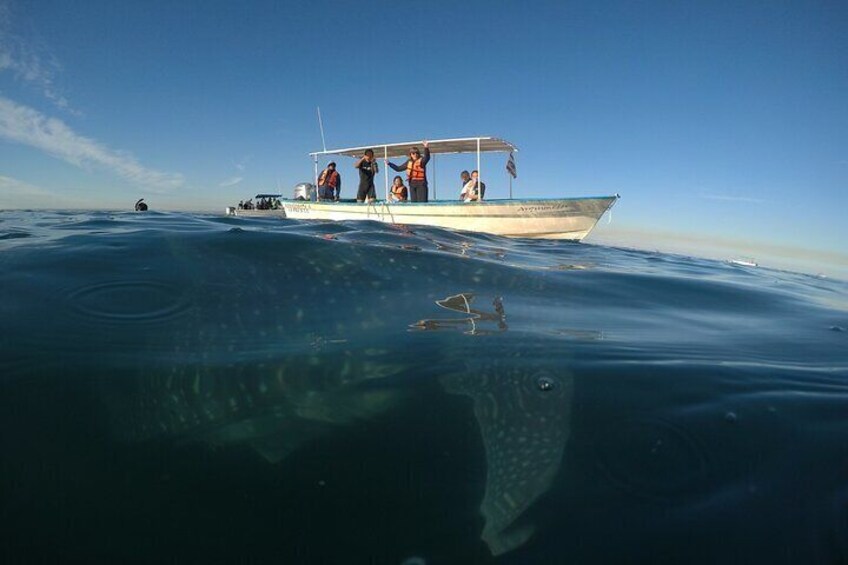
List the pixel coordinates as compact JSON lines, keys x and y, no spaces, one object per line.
{"x":416,"y":172}
{"x":367,"y":166}
{"x":329,"y":183}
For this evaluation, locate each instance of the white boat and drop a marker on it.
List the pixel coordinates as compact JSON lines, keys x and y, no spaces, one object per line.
{"x":747,"y":262}
{"x":549,"y":218}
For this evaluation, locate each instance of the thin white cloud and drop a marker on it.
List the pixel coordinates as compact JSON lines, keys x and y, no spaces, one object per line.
{"x":231,"y":182}
{"x":15,"y":187}
{"x":29,"y":60}
{"x":18,"y":194}
{"x":729,"y":198}
{"x":240,"y":165}
{"x":24,"y":125}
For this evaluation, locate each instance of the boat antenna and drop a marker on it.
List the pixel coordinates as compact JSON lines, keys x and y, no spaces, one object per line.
{"x":321,"y":127}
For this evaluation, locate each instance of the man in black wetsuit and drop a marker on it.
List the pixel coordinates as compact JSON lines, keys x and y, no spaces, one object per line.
{"x":367,"y":169}
{"x":416,"y":172}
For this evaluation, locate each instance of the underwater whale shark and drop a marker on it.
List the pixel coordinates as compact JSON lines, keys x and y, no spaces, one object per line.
{"x":522,"y":407}
{"x":280,"y":341}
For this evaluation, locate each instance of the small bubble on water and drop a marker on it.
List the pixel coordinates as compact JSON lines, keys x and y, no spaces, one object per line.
{"x":545,"y":384}
{"x":730,"y":417}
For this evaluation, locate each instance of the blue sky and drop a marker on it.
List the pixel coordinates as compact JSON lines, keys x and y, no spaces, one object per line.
{"x":719,"y":121}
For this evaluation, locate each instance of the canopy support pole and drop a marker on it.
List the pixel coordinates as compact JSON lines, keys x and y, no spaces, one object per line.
{"x":315,"y":160}
{"x":434,"y":177}
{"x":386,"y":170}
{"x":479,"y":174}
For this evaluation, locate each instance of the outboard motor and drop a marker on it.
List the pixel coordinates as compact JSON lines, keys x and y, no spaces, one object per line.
{"x":304,"y":191}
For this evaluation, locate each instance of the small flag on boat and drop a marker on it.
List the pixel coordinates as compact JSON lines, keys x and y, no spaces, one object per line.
{"x":510,"y":166}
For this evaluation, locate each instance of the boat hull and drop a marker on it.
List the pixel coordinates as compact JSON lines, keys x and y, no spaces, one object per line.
{"x":565,"y":218}
{"x":278,"y":213}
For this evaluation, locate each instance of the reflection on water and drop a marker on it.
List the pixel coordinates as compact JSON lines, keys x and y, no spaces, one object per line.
{"x":474,"y":321}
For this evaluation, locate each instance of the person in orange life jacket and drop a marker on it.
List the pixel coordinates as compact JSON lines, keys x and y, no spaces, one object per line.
{"x":367,"y":166}
{"x":329,"y":183}
{"x":399,"y":193}
{"x":416,"y":172}
{"x":473,"y":189}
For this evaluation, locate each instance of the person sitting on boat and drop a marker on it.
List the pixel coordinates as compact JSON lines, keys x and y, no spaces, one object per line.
{"x":329,"y":183}
{"x":367,"y":166}
{"x":399,"y":192}
{"x":464,"y":177}
{"x":416,"y":172}
{"x":474,"y":189}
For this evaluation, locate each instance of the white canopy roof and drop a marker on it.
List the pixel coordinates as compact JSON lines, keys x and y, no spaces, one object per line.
{"x":437,"y":147}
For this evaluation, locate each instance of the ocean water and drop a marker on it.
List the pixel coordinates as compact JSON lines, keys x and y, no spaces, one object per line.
{"x":197,"y":388}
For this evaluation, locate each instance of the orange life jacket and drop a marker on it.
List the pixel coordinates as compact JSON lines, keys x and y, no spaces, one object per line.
{"x":399,"y":191}
{"x":414,"y":170}
{"x":329,"y":178}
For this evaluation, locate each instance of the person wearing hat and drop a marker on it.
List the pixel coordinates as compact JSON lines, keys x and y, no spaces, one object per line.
{"x":329,"y":183}
{"x":416,"y":172}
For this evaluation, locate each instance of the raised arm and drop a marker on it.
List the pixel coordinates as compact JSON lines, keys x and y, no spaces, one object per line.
{"x":398,"y":168}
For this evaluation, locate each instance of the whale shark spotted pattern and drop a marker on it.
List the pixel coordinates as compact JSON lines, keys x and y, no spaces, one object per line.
{"x":524,"y":427}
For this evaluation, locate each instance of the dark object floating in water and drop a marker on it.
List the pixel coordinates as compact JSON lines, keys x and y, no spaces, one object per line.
{"x":140,"y":206}
{"x":837,"y":329}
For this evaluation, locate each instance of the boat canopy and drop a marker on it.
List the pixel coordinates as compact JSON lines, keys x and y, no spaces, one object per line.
{"x":437,"y":147}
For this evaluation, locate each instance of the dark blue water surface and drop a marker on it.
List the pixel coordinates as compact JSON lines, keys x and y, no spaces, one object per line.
{"x":189,"y":388}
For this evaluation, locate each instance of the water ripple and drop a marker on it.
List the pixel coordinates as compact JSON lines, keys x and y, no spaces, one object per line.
{"x":128,"y":301}
{"x":15,"y":235}
{"x":651,"y":457}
